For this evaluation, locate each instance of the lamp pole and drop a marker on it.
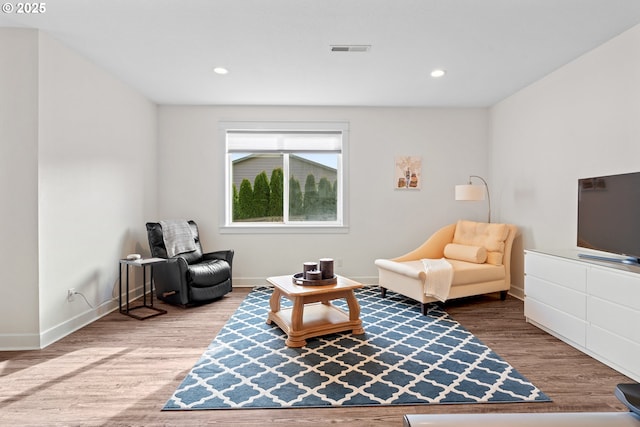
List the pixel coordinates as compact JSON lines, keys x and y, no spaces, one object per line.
{"x":486,"y":186}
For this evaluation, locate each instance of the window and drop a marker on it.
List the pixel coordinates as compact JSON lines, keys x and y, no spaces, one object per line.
{"x":285,"y":175}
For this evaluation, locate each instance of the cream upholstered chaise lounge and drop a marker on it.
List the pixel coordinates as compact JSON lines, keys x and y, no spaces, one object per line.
{"x":479,"y":254}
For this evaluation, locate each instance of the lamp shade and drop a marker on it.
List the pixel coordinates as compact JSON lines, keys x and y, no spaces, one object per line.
{"x":470,"y":192}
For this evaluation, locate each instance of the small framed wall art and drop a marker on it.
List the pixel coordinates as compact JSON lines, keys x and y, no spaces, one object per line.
{"x":408,"y":173}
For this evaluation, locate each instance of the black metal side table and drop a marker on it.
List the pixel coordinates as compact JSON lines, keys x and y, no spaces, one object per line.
{"x":128,"y":309}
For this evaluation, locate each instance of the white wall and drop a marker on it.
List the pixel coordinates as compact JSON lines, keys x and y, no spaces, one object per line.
{"x":89,"y":177}
{"x":18,"y":187}
{"x":383,"y":222}
{"x":97,"y":183}
{"x":580,"y":121}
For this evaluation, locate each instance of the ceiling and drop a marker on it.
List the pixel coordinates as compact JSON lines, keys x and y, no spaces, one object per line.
{"x":278,"y":51}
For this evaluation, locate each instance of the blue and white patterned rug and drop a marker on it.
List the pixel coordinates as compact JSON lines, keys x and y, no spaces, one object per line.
{"x":403,"y":358}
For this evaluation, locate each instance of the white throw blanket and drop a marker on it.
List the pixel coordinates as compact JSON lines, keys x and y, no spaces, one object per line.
{"x":439,"y":278}
{"x":177,"y":236}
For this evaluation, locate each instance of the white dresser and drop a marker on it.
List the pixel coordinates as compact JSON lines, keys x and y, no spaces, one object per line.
{"x":591,"y":305}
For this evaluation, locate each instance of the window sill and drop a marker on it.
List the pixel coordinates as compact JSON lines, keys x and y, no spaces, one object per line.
{"x":284,"y":229}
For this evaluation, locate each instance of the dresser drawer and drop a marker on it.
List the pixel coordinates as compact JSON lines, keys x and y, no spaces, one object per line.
{"x":569,"y":274}
{"x":617,"y":287}
{"x":623,"y":321}
{"x":559,"y":297}
{"x":567,"y":326}
{"x":620,"y":353}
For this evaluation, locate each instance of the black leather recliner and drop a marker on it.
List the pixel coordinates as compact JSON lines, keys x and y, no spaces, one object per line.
{"x":192,"y":277}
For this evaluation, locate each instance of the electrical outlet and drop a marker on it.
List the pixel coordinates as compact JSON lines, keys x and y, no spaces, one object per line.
{"x":71,"y":294}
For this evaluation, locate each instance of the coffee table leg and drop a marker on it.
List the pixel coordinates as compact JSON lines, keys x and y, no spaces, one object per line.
{"x":354,"y":313}
{"x":297,"y":312}
{"x":274,"y":304}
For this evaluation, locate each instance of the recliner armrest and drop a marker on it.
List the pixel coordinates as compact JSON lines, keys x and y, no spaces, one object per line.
{"x":178,"y":261}
{"x":226,"y":255}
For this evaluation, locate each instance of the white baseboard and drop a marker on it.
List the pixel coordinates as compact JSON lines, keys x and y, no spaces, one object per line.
{"x":517,"y":292}
{"x":32,"y":341}
{"x":69,"y":326}
{"x":15,"y":342}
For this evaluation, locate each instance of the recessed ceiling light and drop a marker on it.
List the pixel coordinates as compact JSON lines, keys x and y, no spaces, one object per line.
{"x":438,"y":73}
{"x":220,"y":70}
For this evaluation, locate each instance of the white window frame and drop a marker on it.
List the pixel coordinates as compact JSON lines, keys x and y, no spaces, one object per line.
{"x":341,"y":225}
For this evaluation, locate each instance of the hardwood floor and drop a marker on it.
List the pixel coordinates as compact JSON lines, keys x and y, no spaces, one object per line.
{"x":120,"y":371}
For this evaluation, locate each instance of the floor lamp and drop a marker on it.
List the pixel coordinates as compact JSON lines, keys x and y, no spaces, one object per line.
{"x":474,"y":192}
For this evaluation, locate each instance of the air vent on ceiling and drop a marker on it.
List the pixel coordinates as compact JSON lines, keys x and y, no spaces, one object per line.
{"x":351,"y":48}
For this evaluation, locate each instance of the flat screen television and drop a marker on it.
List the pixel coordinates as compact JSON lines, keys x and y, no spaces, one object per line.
{"x":609,"y":216}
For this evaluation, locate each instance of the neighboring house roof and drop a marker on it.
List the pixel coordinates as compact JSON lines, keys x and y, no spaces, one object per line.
{"x":253,"y":164}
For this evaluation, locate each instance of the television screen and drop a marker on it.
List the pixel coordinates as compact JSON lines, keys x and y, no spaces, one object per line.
{"x":609,"y":214}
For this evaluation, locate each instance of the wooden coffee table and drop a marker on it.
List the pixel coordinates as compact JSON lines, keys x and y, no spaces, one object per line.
{"x":312,"y":313}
